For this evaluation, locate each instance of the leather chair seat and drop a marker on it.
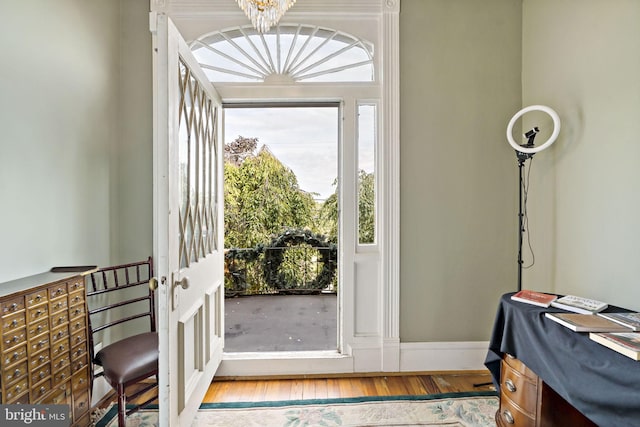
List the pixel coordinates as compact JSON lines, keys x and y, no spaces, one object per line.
{"x":129,"y":358}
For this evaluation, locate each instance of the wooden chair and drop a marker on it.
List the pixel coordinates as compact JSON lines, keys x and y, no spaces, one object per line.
{"x":122,"y":317}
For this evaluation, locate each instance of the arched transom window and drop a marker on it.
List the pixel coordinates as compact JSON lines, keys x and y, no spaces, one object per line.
{"x":288,"y":53}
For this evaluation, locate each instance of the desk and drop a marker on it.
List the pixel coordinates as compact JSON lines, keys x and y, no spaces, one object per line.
{"x":600,"y":383}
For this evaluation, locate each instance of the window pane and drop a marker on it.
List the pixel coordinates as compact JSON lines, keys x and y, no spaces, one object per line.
{"x":366,"y":173}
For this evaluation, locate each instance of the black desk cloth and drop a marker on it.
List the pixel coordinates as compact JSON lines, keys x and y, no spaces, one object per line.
{"x":601,"y":383}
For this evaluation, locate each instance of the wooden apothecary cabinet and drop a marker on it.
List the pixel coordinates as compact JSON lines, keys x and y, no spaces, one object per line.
{"x":44,"y":349}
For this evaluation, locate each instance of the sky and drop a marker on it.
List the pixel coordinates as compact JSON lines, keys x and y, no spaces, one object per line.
{"x":305,"y":139}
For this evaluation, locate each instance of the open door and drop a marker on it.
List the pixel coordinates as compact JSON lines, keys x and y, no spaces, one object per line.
{"x":188,"y":228}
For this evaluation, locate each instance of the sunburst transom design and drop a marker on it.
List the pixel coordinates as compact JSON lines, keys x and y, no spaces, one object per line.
{"x":288,"y":53}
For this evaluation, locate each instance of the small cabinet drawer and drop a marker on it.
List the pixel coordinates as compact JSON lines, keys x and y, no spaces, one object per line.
{"x":36,"y":313}
{"x":40,"y":374}
{"x":77,"y":326}
{"x":37,"y":328}
{"x":60,"y":334}
{"x":40,"y":343}
{"x":79,"y":351}
{"x":80,"y":404}
{"x":35,"y":362}
{"x":76,"y":312}
{"x":62,"y":375}
{"x":14,"y":338}
{"x":13,"y":392}
{"x":76,"y":298}
{"x":40,"y":390}
{"x":61,"y":363}
{"x":15,"y":373}
{"x":37,"y":298}
{"x":13,"y":322}
{"x":12,"y":305}
{"x":15,"y":355}
{"x":80,"y":380}
{"x":59,"y":304}
{"x":57,"y":291}
{"x":76,"y":284}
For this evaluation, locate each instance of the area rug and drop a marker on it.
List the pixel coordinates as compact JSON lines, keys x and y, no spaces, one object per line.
{"x":476,"y":409}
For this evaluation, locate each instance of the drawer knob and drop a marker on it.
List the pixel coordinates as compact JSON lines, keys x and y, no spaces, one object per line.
{"x":507,"y":416}
{"x":510,"y":385}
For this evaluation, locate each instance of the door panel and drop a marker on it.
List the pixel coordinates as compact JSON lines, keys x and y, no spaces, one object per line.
{"x":187,"y":220}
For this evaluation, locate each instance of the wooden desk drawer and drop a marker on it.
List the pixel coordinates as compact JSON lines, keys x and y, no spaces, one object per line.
{"x":37,"y":313}
{"x":521,"y":390}
{"x":517,"y":365}
{"x":511,"y":415}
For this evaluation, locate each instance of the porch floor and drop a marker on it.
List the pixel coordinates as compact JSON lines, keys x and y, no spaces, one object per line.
{"x":281,"y":323}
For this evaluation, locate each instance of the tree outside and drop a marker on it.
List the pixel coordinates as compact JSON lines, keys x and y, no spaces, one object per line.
{"x":264,"y":203}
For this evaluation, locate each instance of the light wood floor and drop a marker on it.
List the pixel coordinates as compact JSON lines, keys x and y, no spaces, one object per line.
{"x":256,"y":390}
{"x":337,"y":386}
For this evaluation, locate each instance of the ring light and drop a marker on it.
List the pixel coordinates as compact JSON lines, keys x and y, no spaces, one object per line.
{"x":548,"y":142}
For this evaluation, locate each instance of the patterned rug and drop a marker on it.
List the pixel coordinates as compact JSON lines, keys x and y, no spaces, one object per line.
{"x":451,"y":409}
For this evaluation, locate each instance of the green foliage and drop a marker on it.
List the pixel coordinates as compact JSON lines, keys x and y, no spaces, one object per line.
{"x":366,"y":207}
{"x":328,"y":213}
{"x":262,"y":198}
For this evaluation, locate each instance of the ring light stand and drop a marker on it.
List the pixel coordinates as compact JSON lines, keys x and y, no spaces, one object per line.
{"x":524,"y":152}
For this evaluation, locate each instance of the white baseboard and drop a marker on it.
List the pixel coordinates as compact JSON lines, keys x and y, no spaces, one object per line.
{"x":443,"y":356}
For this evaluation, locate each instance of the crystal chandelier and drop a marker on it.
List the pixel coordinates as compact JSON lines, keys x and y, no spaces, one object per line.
{"x":265,"y":13}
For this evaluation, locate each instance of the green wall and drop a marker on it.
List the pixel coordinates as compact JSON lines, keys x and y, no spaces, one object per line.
{"x":59,"y":121}
{"x":582,"y":57}
{"x":460,"y":64}
{"x":76,"y":141}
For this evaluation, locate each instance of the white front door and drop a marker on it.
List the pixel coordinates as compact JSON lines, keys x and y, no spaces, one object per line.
{"x":188,"y":227}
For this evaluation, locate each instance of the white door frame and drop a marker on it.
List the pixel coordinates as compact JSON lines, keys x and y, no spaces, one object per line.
{"x":370,"y":344}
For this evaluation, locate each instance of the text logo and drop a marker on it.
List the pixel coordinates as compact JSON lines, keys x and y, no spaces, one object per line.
{"x":35,"y":415}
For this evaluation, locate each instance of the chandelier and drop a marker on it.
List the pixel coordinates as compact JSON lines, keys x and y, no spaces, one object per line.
{"x":265,"y":13}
